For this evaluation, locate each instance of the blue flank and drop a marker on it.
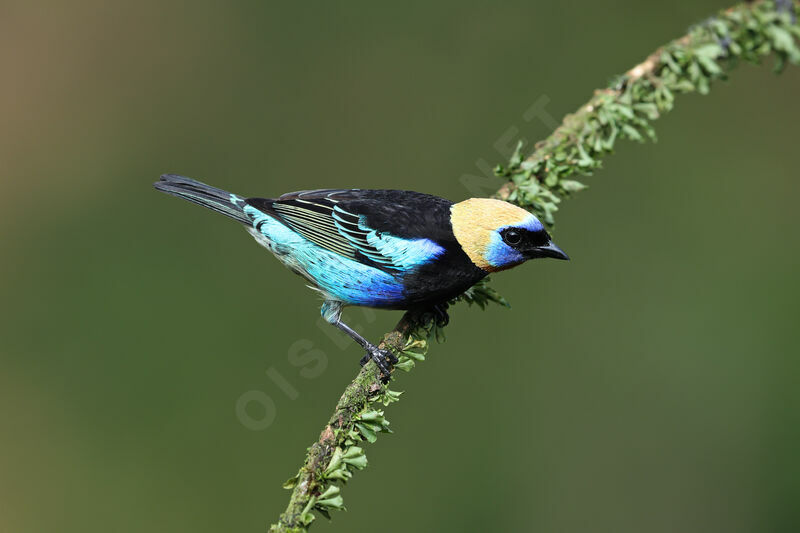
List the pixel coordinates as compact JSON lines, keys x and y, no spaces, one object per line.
{"x":336,"y":276}
{"x":499,"y":254}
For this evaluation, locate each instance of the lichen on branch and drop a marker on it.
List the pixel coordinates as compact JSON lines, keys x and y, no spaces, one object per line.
{"x":358,"y":417}
{"x":539,"y":182}
{"x":626,"y":109}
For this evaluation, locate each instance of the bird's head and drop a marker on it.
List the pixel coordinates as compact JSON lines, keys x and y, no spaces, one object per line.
{"x":497,"y":235}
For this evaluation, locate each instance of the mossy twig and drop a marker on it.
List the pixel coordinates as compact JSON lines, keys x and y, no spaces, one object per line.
{"x":539,"y":182}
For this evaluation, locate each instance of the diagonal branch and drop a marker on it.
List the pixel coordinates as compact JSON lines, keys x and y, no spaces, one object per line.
{"x":749,"y":31}
{"x":309,"y":486}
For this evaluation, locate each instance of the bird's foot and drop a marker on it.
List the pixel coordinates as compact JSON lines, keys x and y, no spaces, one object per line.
{"x":440,"y":314}
{"x":384,"y":359}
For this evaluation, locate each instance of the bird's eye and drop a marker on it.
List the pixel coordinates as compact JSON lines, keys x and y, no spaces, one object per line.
{"x":512,"y":237}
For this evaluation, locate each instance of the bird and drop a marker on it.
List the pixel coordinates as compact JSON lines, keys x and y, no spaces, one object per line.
{"x":388,"y":249}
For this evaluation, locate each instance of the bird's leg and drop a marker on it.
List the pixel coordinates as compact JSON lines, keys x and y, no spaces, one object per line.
{"x":332,"y":313}
{"x":382,"y":358}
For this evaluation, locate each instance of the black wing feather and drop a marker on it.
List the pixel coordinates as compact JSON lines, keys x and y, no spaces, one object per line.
{"x":339,"y":220}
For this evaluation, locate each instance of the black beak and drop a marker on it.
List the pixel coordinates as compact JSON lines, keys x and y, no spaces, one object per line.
{"x":549,"y":250}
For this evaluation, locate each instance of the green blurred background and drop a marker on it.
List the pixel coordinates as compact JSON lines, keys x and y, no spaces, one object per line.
{"x":648,"y":385}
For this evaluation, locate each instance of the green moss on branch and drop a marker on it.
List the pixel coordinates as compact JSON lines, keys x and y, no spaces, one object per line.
{"x":624,"y":110}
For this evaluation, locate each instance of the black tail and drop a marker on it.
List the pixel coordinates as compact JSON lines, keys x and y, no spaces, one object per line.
{"x":205,"y":195}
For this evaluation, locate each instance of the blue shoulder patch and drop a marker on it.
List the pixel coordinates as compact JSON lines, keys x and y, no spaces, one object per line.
{"x":384,"y":248}
{"x":404,"y":253}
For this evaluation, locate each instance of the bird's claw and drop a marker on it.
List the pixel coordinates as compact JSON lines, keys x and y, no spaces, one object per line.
{"x":384,"y":359}
{"x":440,"y":315}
